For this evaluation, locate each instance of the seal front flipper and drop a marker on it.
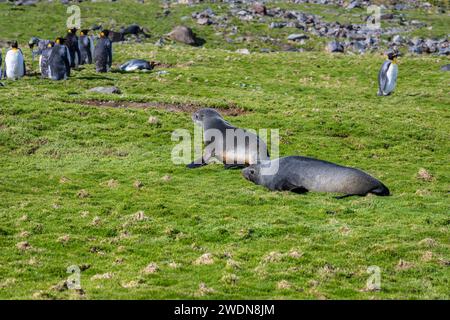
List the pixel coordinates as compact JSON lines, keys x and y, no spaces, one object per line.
{"x":348,"y":195}
{"x":197,"y":163}
{"x":293,"y":188}
{"x":233,"y":166}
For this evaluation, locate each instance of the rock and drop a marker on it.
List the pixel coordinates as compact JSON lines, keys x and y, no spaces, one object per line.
{"x":354,"y":4}
{"x":335,"y":46}
{"x":424,"y":175}
{"x":204,"y":21}
{"x":259,"y":8}
{"x":153,"y":120}
{"x":105,"y":90}
{"x":297,"y":37}
{"x":205,"y":259}
{"x":277,"y":25}
{"x":243,"y":51}
{"x":445,"y":68}
{"x":415,"y":49}
{"x":398,"y":39}
{"x":183,"y":34}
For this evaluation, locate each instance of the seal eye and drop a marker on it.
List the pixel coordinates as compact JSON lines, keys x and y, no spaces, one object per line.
{"x":252,"y":171}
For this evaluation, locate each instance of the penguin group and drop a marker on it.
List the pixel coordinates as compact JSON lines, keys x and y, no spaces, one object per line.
{"x":57,"y":58}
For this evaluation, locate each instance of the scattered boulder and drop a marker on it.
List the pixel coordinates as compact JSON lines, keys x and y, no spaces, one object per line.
{"x":183,"y":34}
{"x":243,"y":51}
{"x":335,"y":46}
{"x":259,"y":8}
{"x":445,"y":68}
{"x":105,"y":90}
{"x":297,"y":37}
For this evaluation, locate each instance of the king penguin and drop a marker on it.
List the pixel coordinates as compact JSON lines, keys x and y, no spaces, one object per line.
{"x":103,"y":52}
{"x":14,"y":63}
{"x":72,"y":44}
{"x":86,"y":44}
{"x":44,"y":59}
{"x":387,"y":77}
{"x":59,"y":61}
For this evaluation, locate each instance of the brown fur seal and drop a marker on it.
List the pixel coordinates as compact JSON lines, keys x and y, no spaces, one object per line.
{"x":233,"y":146}
{"x":302,"y":174}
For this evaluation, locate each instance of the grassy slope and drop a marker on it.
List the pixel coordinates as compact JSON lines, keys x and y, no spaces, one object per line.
{"x":325,"y":106}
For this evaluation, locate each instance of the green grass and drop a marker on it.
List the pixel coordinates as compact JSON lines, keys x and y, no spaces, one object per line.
{"x":324,"y":105}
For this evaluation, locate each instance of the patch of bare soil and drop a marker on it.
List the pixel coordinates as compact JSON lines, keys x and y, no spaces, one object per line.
{"x":232,"y":110}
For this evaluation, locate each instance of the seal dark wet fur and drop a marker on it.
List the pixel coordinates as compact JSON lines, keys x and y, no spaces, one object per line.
{"x":302,"y":174}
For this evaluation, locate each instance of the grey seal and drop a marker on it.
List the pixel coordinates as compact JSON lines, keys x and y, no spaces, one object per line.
{"x":303,"y":174}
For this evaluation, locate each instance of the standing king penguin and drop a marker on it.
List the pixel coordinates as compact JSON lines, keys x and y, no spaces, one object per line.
{"x":387,"y":77}
{"x":44,"y":60}
{"x":59,"y":61}
{"x":86,"y":45}
{"x":74,"y":50}
{"x":103,"y":53}
{"x":14,"y":63}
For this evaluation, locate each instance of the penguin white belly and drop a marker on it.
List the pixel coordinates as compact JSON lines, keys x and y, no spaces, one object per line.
{"x":14,"y":64}
{"x":131,"y":68}
{"x":391,"y":78}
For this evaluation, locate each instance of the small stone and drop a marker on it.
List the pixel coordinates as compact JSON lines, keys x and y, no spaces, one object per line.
{"x":153,"y":120}
{"x":138,"y":184}
{"x":205,"y":259}
{"x":63,"y":180}
{"x":230,"y":279}
{"x":427,"y":256}
{"x":151,"y":268}
{"x":106,"y":90}
{"x":107,"y":275}
{"x":243,"y":51}
{"x":64,"y":239}
{"x":112,"y":183}
{"x":283,"y":285}
{"x":297,"y":37}
{"x":23,"y":245}
{"x":335,"y":46}
{"x":273,"y":257}
{"x":166,"y":178}
{"x":404,"y":265}
{"x":428,"y":242}
{"x":295,"y":254}
{"x":139,"y":216}
{"x":96,"y":221}
{"x":424,"y":175}
{"x":82,"y":194}
{"x":203,"y":289}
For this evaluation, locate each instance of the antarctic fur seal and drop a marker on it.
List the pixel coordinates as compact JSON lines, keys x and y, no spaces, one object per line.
{"x":234,"y":147}
{"x":302,"y":174}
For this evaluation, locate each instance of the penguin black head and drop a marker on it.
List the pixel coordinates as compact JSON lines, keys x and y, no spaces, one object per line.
{"x":14,"y":45}
{"x":73,"y":30}
{"x":104,"y":33}
{"x":393,"y":54}
{"x":51,"y":44}
{"x":84,"y":32}
{"x":59,"y":40}
{"x":33,"y":41}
